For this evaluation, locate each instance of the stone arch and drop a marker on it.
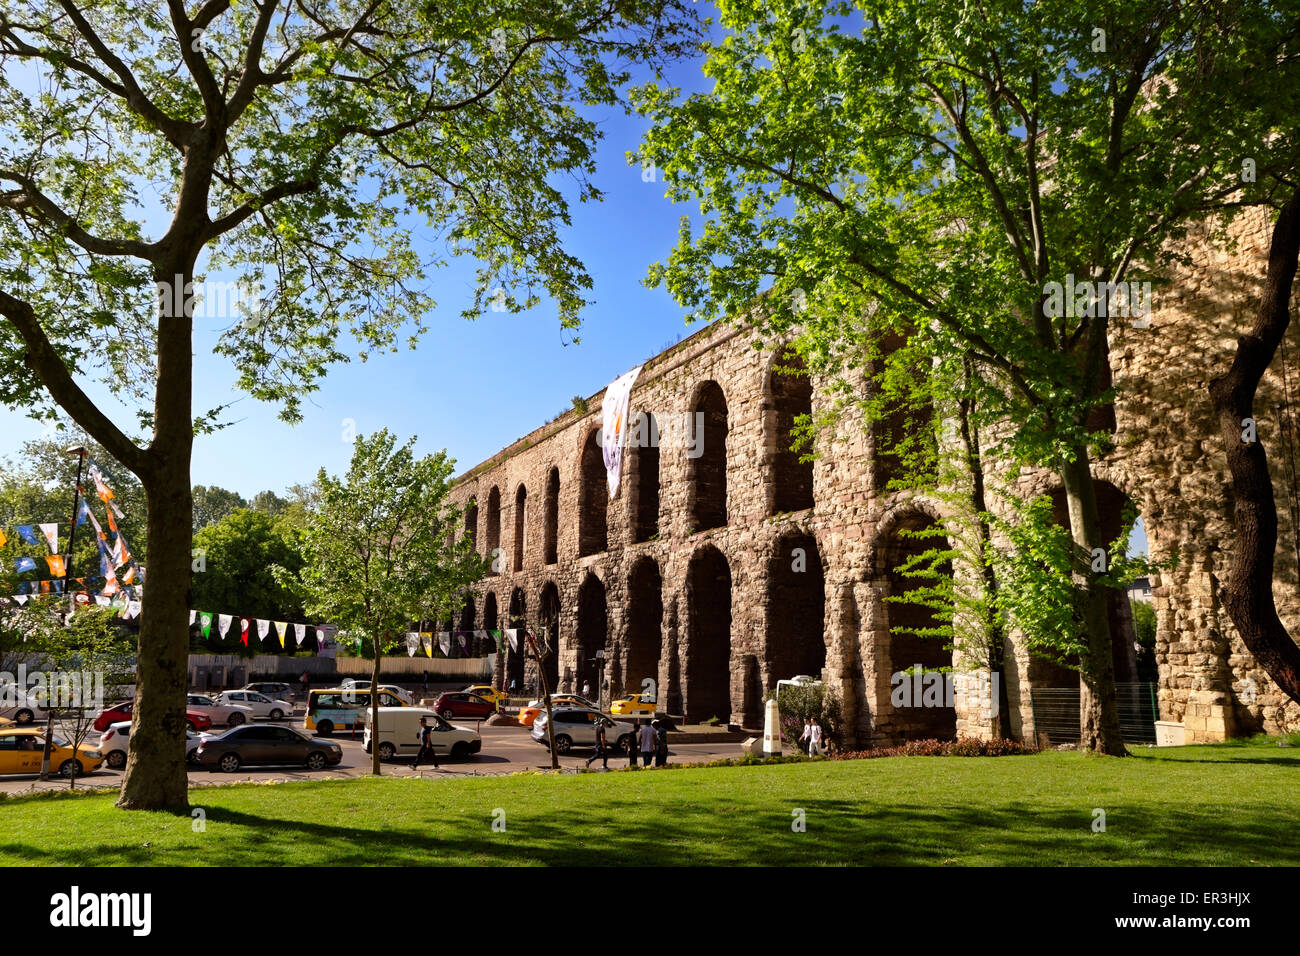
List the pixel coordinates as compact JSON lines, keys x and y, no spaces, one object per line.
{"x":707,"y":471}
{"x":643,"y":468}
{"x":592,"y":632}
{"x":471,"y":523}
{"x":490,"y":623}
{"x":518,"y":619}
{"x":521,"y":526}
{"x":708,"y":637}
{"x":492,"y":545}
{"x":551,"y":518}
{"x":593,"y":498}
{"x":548,"y":627}
{"x":908,"y":707}
{"x":788,"y":391}
{"x":795,"y":642}
{"x":465,"y":624}
{"x":644,"y":634}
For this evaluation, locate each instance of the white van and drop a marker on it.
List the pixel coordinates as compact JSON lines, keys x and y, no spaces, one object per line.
{"x":399,"y":734}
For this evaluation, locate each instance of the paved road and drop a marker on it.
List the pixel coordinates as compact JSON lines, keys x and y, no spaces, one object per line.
{"x":505,"y":750}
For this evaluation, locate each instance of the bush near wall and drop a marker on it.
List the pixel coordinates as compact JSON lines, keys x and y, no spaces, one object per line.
{"x":961,"y":747}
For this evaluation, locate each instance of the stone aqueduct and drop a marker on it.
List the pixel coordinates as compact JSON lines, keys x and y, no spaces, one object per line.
{"x":725,"y":565}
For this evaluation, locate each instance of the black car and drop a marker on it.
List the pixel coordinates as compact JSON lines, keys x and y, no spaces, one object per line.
{"x":266,"y":744}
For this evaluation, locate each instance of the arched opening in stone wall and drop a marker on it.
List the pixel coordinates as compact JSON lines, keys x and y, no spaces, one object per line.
{"x":471,"y":523}
{"x":894,"y":434}
{"x":493,"y":519}
{"x":490,"y":623}
{"x":707,"y":459}
{"x":593,"y":631}
{"x":593,"y":499}
{"x":1112,"y":507}
{"x":515,"y":652}
{"x":790,"y":391}
{"x":521,"y":526}
{"x":796,"y":609}
{"x":551,"y":533}
{"x":548,"y":627}
{"x":645,"y":612}
{"x":465,"y":626}
{"x":708,"y":640}
{"x":644,"y":477}
{"x":917,"y":705}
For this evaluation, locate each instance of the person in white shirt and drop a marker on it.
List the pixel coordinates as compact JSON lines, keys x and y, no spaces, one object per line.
{"x":649,"y":743}
{"x":814,"y":738}
{"x":805,"y":739}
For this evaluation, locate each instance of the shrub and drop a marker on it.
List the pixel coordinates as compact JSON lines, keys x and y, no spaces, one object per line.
{"x":799,"y":703}
{"x":961,"y":747}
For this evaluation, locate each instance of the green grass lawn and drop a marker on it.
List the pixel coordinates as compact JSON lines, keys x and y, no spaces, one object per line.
{"x":1235,"y":803}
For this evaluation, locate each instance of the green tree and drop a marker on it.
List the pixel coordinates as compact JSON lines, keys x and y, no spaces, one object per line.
{"x":233,"y":571}
{"x":269,"y":503}
{"x":149,"y":147}
{"x":213,"y":503}
{"x":384,"y":549}
{"x":942,"y":172}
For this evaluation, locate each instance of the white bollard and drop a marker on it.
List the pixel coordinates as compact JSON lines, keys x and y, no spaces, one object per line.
{"x":771,"y":730}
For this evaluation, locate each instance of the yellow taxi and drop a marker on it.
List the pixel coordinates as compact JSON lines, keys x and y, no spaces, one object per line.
{"x":528,"y":714}
{"x":21,"y":749}
{"x":488,"y":693}
{"x":633,"y":704}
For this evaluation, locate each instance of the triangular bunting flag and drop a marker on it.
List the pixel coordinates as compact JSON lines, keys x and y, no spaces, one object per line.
{"x":243,"y":630}
{"x":412,"y":643}
{"x":51,"y":532}
{"x":55,"y":561}
{"x":282,"y":629}
{"x":300,"y":633}
{"x":193,"y":614}
{"x":205,"y":620}
{"x":223,"y":624}
{"x":263,"y":628}
{"x":28,"y":535}
{"x":444,"y":642}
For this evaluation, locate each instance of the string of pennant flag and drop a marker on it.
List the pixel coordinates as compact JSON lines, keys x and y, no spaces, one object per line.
{"x":117,"y":565}
{"x":424,"y":641}
{"x":283,"y":630}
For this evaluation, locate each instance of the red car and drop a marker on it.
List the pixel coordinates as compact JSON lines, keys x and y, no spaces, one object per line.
{"x":198,"y":722}
{"x":457,"y":703}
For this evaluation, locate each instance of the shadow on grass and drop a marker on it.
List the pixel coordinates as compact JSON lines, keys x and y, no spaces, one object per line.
{"x":620,"y":832}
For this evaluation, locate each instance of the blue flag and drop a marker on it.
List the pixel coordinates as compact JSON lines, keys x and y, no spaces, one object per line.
{"x":82,"y":514}
{"x":25,"y":564}
{"x":28,"y":534}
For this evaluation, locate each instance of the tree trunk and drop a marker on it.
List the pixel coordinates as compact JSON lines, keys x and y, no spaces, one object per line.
{"x":375,"y":768}
{"x":1248,"y":595}
{"x":155,"y":776}
{"x":1098,"y":711}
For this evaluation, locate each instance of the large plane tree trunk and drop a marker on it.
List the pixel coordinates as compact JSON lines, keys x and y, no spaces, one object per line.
{"x":1248,"y":595}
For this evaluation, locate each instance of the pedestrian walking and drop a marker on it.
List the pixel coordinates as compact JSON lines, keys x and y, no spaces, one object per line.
{"x":514,"y":686}
{"x":814,"y":738}
{"x":426,"y":683}
{"x":805,"y":739}
{"x":632,"y":744}
{"x":602,"y":747}
{"x":305,"y":681}
{"x":661,"y":735}
{"x":586,"y":689}
{"x":426,"y":745}
{"x":649,"y":743}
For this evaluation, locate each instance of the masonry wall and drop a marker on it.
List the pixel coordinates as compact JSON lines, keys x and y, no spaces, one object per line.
{"x":714,"y":616}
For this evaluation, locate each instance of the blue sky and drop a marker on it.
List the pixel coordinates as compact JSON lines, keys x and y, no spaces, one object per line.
{"x":471,"y":387}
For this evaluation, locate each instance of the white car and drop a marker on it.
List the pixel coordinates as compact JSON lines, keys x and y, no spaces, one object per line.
{"x":260,"y":705}
{"x":232,"y":715}
{"x":115,"y":743}
{"x":399,"y":734}
{"x":20,"y":705}
{"x":576,"y":727}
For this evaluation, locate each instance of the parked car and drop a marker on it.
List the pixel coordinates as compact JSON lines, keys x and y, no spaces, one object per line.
{"x":232,"y":715}
{"x":487,"y":692}
{"x":22,"y":750}
{"x":452,"y":704}
{"x":115,"y":744}
{"x":274,"y":689}
{"x":576,"y":727}
{"x":399,"y":734}
{"x":122,"y":711}
{"x":265,"y":744}
{"x":20,"y":705}
{"x":528,"y":714}
{"x":634,"y":704}
{"x":260,"y":705}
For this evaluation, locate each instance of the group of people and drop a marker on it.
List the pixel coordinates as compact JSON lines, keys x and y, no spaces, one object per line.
{"x":810,"y":742}
{"x":649,"y":737}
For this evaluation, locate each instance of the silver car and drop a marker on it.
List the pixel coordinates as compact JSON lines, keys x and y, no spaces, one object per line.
{"x":576,"y":727}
